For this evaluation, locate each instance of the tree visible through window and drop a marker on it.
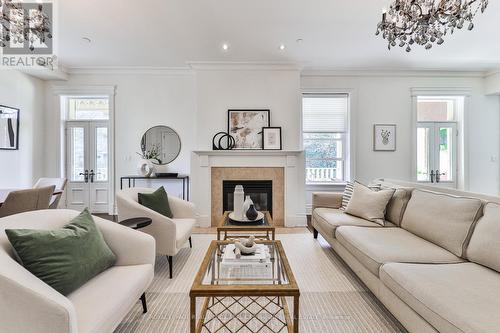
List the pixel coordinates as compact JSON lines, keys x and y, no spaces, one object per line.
{"x":324,"y":135}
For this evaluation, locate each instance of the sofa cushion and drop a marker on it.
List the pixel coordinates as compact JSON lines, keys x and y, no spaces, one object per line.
{"x":183,"y":230}
{"x":369,"y":204}
{"x":452,"y":297}
{"x":375,"y":246}
{"x":104,"y":301}
{"x":397,"y":205}
{"x":484,"y":245}
{"x":63,"y":258}
{"x":443,"y":219}
{"x":327,"y":220}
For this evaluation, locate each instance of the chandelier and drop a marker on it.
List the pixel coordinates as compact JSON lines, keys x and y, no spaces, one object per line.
{"x":21,"y":22}
{"x":424,"y":22}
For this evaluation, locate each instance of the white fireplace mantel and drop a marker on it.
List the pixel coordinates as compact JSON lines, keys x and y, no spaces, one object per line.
{"x":292,"y":161}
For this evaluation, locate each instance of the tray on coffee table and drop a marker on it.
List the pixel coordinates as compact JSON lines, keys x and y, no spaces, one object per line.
{"x":228,"y":229}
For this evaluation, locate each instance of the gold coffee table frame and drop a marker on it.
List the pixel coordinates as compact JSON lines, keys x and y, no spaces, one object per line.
{"x":254,"y":292}
{"x":264,"y":231}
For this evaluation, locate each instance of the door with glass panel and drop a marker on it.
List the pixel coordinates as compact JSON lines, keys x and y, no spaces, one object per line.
{"x":437,"y":153}
{"x":87,"y":165}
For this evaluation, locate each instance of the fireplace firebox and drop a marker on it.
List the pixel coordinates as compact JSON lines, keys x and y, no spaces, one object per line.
{"x":260,"y":191}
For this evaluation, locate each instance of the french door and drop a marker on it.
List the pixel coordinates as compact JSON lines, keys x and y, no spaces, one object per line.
{"x":437,"y":153}
{"x":87,"y":165}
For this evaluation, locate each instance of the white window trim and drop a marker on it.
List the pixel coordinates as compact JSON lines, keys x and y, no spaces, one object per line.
{"x":350,"y":137}
{"x":463,"y":119}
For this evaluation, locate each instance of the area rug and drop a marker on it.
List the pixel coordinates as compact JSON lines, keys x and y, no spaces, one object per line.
{"x":332,"y":298}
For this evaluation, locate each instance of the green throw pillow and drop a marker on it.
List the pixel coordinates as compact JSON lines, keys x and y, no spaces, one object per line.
{"x":157,"y":201}
{"x":64,"y":258}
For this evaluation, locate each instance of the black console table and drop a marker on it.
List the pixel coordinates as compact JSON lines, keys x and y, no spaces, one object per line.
{"x":185,"y":182}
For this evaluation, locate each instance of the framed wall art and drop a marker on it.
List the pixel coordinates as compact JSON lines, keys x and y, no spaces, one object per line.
{"x":271,"y":138}
{"x":9,"y":128}
{"x":384,"y":137}
{"x":245,"y":126}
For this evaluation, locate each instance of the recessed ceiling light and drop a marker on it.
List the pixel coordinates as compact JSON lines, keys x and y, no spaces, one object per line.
{"x":86,"y":39}
{"x":225,"y":46}
{"x":282,"y":47}
{"x":299,"y":40}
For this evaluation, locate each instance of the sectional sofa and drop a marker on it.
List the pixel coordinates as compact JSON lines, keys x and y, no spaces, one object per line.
{"x":434,"y":265}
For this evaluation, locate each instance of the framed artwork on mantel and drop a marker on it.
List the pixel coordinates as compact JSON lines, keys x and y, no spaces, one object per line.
{"x":384,"y":137}
{"x":9,"y":128}
{"x":271,"y":138}
{"x":245,"y":126}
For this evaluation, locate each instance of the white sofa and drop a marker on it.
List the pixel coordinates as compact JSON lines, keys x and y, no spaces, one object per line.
{"x":170,"y":233}
{"x":435,"y":265}
{"x":28,"y":305}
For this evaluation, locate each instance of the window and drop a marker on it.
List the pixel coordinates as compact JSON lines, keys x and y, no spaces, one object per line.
{"x":88,"y":108}
{"x":437,"y":138}
{"x":325,"y":137}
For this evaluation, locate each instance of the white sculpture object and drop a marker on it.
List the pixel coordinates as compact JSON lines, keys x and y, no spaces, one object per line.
{"x":245,"y":246}
{"x":238,"y":199}
{"x":145,"y":168}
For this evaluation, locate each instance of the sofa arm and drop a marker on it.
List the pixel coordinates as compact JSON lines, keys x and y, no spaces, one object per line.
{"x":27,"y":304}
{"x":181,"y":209}
{"x":130,"y":246}
{"x":326,"y":200}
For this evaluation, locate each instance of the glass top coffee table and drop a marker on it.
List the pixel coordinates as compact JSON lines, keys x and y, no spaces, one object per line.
{"x":246,"y":294}
{"x":226,"y":229}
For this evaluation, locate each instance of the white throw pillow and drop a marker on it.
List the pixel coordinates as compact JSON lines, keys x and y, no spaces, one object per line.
{"x":368,"y":204}
{"x":346,"y":197}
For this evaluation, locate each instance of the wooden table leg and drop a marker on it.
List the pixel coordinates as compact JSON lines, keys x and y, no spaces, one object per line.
{"x":192,"y":313}
{"x":296,"y":314}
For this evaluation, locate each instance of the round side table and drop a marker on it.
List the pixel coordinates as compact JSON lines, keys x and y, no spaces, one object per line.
{"x":136,"y":222}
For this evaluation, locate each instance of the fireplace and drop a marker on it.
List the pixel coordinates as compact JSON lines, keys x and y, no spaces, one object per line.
{"x":260,"y":191}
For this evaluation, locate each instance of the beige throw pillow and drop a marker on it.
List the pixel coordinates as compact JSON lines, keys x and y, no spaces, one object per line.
{"x":368,"y":204}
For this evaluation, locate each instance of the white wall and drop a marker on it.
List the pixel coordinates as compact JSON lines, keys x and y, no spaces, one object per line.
{"x":387,"y":99}
{"x":21,"y":168}
{"x":142,"y":100}
{"x":220,"y":90}
{"x":492,"y":84}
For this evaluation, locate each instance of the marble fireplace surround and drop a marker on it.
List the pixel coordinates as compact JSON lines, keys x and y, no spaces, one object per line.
{"x":276,"y":175}
{"x":285,"y":168}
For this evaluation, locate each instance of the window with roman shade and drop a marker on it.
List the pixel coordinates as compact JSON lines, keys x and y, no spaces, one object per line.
{"x":325,"y":127}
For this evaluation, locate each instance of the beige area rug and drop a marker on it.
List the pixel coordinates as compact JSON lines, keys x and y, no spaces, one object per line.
{"x":332,"y":297}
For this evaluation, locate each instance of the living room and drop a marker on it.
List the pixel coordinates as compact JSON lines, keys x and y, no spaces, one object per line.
{"x":356,"y":163}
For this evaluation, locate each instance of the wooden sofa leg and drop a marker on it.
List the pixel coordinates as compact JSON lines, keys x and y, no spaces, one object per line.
{"x":170,"y":260}
{"x":315,"y":233}
{"x":190,"y":243}
{"x":144,"y":306}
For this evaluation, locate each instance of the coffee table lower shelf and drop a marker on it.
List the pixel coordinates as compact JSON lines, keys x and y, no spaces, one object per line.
{"x":255,"y":313}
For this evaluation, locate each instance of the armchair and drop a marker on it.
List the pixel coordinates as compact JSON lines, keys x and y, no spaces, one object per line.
{"x":30,"y":305}
{"x":170,"y":233}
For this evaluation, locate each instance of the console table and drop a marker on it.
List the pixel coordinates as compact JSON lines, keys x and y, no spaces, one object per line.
{"x":184,"y":178}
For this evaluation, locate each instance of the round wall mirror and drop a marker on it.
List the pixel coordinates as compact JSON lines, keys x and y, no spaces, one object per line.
{"x":161,"y":144}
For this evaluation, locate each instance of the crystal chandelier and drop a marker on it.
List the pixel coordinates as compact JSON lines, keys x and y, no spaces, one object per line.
{"x":424,"y":22}
{"x":20,"y":24}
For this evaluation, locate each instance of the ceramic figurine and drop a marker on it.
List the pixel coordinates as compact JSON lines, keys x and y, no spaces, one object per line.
{"x":252,"y":213}
{"x":238,"y":199}
{"x":247,"y":204}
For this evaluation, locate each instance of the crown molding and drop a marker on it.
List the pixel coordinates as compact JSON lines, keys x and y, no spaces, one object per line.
{"x":235,"y":66}
{"x":391,"y":73}
{"x":115,"y":70}
{"x":492,"y":73}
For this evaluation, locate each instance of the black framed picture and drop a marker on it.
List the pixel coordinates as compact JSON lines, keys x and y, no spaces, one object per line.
{"x":271,"y":138}
{"x":9,"y":128}
{"x":245,"y":126}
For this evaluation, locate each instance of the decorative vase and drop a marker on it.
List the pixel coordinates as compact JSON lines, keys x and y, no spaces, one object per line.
{"x":252,"y":213}
{"x":145,"y":168}
{"x":238,"y":199}
{"x":246,"y":204}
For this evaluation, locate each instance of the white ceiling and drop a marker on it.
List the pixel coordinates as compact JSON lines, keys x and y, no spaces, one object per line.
{"x":336,"y":35}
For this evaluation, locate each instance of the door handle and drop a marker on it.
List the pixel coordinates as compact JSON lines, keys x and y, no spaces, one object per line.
{"x":92,"y":174}
{"x":438,"y":176}
{"x":432,"y":176}
{"x":85,"y":175}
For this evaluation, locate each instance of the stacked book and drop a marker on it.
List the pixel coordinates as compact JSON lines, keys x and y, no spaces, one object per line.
{"x":260,"y":258}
